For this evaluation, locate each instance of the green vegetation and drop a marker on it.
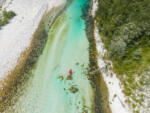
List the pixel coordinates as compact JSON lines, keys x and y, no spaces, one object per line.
{"x":125,"y":24}
{"x":5,"y":17}
{"x":125,"y":29}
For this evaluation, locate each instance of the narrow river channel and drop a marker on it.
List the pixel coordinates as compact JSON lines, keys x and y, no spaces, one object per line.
{"x":48,"y":90}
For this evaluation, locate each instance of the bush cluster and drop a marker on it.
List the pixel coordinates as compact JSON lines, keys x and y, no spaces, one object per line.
{"x":125,"y":25}
{"x":6,"y":16}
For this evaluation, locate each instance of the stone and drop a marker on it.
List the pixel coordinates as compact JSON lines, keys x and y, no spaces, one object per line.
{"x":73,"y":90}
{"x":77,"y":63}
{"x":69,"y":77}
{"x":60,"y":77}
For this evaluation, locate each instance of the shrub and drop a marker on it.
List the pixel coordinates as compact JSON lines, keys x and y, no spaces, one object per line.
{"x":125,"y":25}
{"x":6,"y":16}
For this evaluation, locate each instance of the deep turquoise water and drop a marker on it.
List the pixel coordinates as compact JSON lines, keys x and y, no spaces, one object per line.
{"x":67,"y":47}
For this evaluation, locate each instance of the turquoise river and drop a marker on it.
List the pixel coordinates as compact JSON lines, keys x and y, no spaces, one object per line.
{"x":48,"y":90}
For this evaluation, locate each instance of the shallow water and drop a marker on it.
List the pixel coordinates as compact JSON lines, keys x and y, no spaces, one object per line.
{"x":67,"y":47}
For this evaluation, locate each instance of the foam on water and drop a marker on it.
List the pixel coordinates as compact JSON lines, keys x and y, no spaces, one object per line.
{"x":67,"y":47}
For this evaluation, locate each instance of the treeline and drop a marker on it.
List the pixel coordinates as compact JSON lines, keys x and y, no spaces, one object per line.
{"x":5,"y":17}
{"x":125,"y":25}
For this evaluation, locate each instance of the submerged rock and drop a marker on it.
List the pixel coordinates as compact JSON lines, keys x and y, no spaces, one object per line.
{"x":77,"y":63}
{"x":69,"y":77}
{"x":82,"y":65}
{"x":85,"y":111}
{"x":60,"y":77}
{"x":73,"y":90}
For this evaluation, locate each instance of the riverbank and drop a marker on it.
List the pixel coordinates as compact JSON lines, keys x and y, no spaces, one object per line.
{"x":16,"y":36}
{"x":101,"y":104}
{"x":12,"y":84}
{"x":117,"y":100}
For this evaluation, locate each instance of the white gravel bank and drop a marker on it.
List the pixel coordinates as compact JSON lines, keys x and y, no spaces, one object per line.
{"x":116,"y":97}
{"x":16,"y":36}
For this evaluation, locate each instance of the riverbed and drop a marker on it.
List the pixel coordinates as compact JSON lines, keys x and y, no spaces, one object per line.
{"x":48,"y":90}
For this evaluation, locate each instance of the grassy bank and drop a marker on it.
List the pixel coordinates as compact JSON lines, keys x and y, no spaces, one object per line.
{"x":101,"y":103}
{"x":124,"y":27}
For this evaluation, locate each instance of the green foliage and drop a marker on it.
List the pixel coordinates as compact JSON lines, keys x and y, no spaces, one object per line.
{"x":6,"y":16}
{"x":125,"y":25}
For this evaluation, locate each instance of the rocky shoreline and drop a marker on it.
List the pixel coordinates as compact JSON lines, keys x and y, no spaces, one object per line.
{"x":101,"y":103}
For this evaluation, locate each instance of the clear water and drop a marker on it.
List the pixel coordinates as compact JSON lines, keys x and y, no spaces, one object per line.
{"x":67,"y":46}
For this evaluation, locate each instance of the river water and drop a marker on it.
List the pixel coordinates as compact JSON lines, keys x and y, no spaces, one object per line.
{"x":66,"y":48}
